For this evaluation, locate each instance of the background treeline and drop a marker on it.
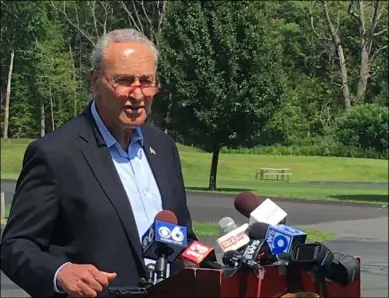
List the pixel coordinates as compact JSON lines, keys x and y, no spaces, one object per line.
{"x":274,"y":77}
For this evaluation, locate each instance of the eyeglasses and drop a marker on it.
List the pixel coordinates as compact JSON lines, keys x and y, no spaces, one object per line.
{"x":124,"y":86}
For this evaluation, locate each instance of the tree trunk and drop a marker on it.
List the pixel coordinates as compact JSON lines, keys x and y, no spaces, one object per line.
{"x":167,"y":117}
{"x":43,"y":119}
{"x":364,"y":74}
{"x":213,"y":174}
{"x":367,"y":36}
{"x":75,"y":111}
{"x":343,"y":69}
{"x":342,"y":61}
{"x":8,"y":96}
{"x":51,"y":108}
{"x":366,"y":39}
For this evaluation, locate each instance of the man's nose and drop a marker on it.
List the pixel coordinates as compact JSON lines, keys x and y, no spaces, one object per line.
{"x":136,"y":93}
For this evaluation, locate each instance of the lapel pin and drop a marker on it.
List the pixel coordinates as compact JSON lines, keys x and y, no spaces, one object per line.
{"x":152,"y":151}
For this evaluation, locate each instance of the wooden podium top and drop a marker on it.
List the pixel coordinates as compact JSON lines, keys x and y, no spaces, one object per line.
{"x":272,"y":283}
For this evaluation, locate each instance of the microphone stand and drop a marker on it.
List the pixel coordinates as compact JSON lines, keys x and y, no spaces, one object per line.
{"x":127,"y":292}
{"x":134,"y":292}
{"x":149,"y":281}
{"x":161,"y":267}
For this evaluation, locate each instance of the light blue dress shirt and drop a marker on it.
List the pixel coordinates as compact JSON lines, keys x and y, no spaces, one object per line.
{"x":137,"y":179}
{"x":135,"y":174}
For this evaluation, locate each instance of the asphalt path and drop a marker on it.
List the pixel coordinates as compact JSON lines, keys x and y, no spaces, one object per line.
{"x":361,"y":230}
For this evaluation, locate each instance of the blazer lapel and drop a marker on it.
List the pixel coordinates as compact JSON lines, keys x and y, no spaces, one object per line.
{"x":99,"y":159}
{"x":159,"y":170}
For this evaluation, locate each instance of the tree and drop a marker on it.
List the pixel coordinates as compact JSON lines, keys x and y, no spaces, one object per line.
{"x":222,"y":68}
{"x":372,"y":26}
{"x":372,"y":18}
{"x":18,"y":31}
{"x":6,"y":32}
{"x":55,"y":80}
{"x":342,"y":59}
{"x":89,"y":20}
{"x":8,"y":95}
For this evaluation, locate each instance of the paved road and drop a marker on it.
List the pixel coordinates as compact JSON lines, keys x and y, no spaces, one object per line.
{"x":361,"y":231}
{"x":213,"y":206}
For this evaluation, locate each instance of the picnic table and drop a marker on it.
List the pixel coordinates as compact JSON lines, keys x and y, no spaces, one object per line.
{"x":277,"y":172}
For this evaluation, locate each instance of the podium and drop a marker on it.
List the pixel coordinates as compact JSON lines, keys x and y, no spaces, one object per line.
{"x":272,"y":283}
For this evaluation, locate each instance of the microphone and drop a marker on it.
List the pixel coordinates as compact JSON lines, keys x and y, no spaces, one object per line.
{"x":253,"y":249}
{"x":164,"y":241}
{"x":344,"y":269}
{"x":258,"y":245}
{"x":235,"y":238}
{"x":232,"y":258}
{"x":309,"y":255}
{"x":259,"y":210}
{"x":195,"y":254}
{"x":339,"y":268}
{"x":258,"y":230}
{"x":249,"y":255}
{"x":226,"y":225}
{"x":282,"y":238}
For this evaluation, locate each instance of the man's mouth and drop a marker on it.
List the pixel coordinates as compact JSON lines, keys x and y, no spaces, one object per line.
{"x":133,"y":108}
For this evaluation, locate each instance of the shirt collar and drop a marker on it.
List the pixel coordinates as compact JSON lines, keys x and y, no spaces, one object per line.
{"x":107,"y":136}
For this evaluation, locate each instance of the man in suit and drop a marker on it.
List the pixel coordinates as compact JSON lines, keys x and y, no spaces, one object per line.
{"x":90,"y":189}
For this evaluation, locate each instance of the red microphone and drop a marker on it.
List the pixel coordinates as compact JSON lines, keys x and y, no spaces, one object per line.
{"x":195,"y":254}
{"x":245,"y":202}
{"x":259,"y":210}
{"x":166,"y":216}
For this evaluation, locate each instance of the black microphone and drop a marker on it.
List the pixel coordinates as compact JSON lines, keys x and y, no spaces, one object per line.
{"x":231,"y":258}
{"x":248,"y":256}
{"x":258,"y":230}
{"x":257,"y":243}
{"x":344,"y":269}
{"x":164,"y":242}
{"x":339,"y":268}
{"x":234,"y":260}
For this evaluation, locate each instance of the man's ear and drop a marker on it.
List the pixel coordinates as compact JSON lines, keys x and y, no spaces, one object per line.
{"x":93,"y":74}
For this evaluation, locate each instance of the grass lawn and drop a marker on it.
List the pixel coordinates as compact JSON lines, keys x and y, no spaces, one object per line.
{"x":211,"y":229}
{"x":236,"y":172}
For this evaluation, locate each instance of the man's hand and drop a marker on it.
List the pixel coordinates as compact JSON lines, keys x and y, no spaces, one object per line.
{"x":83,"y":280}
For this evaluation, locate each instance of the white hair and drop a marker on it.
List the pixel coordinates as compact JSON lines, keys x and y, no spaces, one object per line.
{"x":119,"y":35}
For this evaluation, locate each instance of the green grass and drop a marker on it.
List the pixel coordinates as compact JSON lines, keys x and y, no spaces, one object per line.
{"x":12,"y":152}
{"x":236,"y":172}
{"x":304,"y":168}
{"x":7,"y":208}
{"x":211,"y":229}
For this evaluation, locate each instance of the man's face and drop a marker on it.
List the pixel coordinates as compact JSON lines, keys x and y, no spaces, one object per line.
{"x":124,"y":87}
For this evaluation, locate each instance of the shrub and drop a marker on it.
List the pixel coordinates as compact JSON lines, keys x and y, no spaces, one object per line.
{"x":314,"y":150}
{"x":364,"y":127}
{"x":319,"y":146}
